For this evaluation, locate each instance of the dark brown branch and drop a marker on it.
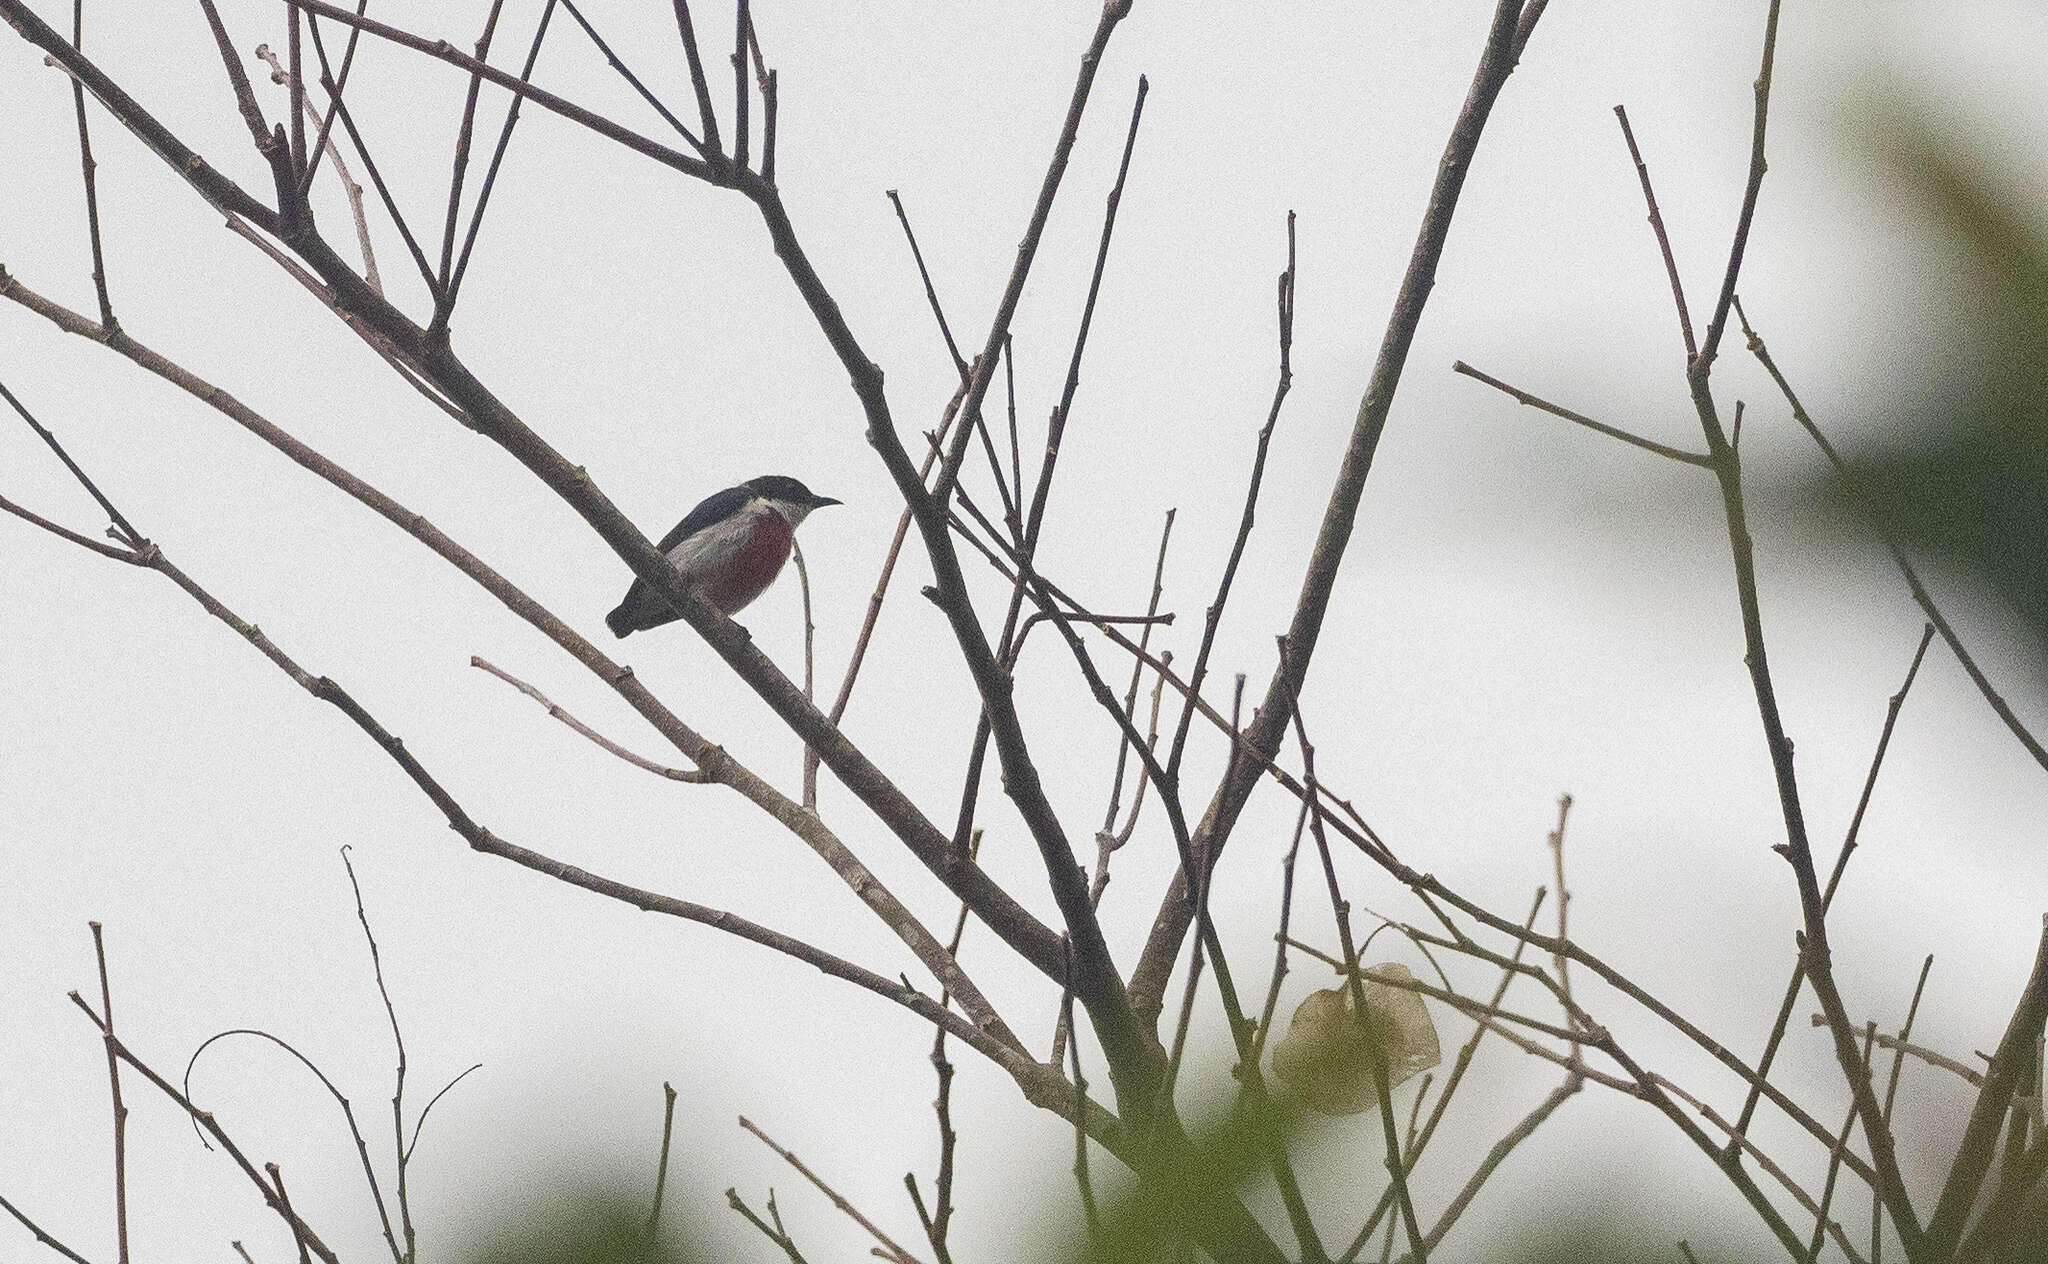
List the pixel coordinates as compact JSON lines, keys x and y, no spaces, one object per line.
{"x":707,"y":116}
{"x":740,"y":128}
{"x":1557,"y":410}
{"x":42,"y":1236}
{"x":100,"y":547}
{"x":122,"y":530}
{"x":332,"y":84}
{"x":465,"y":133}
{"x":1027,"y":530}
{"x":99,"y":952}
{"x":483,"y":197}
{"x":1796,"y":849}
{"x":1848,"y":848}
{"x":2012,"y":1063}
{"x":923,"y":274}
{"x":1269,"y":725}
{"x":444,"y":51}
{"x":625,"y":72}
{"x":272,"y":1197}
{"x":87,"y":168}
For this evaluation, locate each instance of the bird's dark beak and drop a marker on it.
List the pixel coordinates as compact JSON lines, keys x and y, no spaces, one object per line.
{"x":819,"y":502}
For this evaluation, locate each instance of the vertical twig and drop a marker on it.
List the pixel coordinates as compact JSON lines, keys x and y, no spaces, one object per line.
{"x":1841,"y":1147}
{"x":1214,"y":617}
{"x":1376,"y":1051}
{"x":668,"y":1127}
{"x":803,"y":577}
{"x":1884,"y":738}
{"x":1564,"y":900}
{"x":706,"y":115}
{"x":99,"y":951}
{"x":1088,"y":1209}
{"x":291,"y":1217}
{"x":483,"y":196}
{"x":1891,"y":1093}
{"x":1663,"y":240}
{"x":739,"y":85}
{"x":444,"y":305}
{"x":398,"y":1079}
{"x":88,"y":168}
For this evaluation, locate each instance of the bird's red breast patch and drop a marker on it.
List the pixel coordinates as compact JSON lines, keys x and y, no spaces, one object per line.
{"x":755,"y":564}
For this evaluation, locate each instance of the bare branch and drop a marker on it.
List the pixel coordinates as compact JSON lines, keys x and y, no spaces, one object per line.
{"x":853,"y":1213}
{"x":1269,"y":724}
{"x":1558,"y":410}
{"x":695,"y":776}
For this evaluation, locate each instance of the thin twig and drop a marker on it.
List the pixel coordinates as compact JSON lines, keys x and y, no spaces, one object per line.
{"x":271,"y":1197}
{"x":1091,"y":1217}
{"x":1558,"y":410}
{"x":1213,"y":618}
{"x":775,"y":1233}
{"x":350,"y":189}
{"x":803,"y":578}
{"x":1375,"y":1047}
{"x":1663,"y":239}
{"x":853,"y":1213}
{"x":668,"y":1127}
{"x":398,"y":1043}
{"x":1926,"y":602}
{"x":483,"y":196}
{"x":1821,"y":1222}
{"x":1891,"y":1094}
{"x":87,"y":168}
{"x":1848,"y":847}
{"x":695,"y":776}
{"x":465,"y":133}
{"x":41,"y":1235}
{"x":99,"y":952}
{"x":348,"y":1116}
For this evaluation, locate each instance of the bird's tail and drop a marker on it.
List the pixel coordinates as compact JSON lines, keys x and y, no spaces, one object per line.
{"x":620,"y":621}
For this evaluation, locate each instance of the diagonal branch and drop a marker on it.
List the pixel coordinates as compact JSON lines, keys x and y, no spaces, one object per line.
{"x":1269,"y":726}
{"x":968,"y":881}
{"x":1521,"y":396}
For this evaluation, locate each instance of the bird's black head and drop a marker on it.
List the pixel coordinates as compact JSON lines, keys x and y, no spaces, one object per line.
{"x":788,"y":491}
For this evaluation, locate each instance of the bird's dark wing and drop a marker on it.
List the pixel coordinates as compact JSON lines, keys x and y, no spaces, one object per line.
{"x":709,"y":510}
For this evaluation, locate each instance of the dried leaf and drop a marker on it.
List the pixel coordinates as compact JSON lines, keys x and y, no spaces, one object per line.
{"x":1326,"y":1057}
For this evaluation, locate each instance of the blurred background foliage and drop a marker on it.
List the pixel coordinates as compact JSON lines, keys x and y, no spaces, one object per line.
{"x":1961,"y":471}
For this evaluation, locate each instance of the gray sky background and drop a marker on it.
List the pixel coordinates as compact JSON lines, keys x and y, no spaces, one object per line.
{"x":1526,"y":609}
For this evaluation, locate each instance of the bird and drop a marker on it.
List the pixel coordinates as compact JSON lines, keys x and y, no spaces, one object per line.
{"x":729,"y":548}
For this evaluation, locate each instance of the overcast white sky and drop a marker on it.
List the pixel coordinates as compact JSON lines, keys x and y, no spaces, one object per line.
{"x":1527,"y":608}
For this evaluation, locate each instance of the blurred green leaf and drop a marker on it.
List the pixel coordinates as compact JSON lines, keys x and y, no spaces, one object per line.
{"x":588,"y":1227}
{"x":1963,"y":471}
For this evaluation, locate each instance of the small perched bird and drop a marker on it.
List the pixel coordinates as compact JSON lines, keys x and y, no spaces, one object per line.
{"x":730,"y":548}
